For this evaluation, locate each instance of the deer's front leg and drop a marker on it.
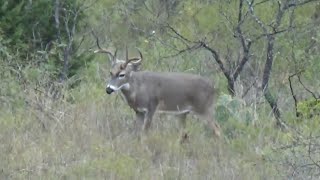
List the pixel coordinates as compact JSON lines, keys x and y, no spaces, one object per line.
{"x":182,"y":120}
{"x":140,"y":116}
{"x":148,"y":118}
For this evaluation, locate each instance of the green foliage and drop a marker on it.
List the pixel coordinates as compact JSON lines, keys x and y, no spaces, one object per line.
{"x":232,"y":108}
{"x":309,"y":108}
{"x":29,"y":27}
{"x":21,"y":21}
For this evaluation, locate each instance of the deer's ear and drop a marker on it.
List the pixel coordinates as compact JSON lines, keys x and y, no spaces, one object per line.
{"x":122,"y":67}
{"x":136,"y":66}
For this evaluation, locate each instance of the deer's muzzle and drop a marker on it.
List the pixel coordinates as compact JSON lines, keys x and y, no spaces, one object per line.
{"x":109,"y":90}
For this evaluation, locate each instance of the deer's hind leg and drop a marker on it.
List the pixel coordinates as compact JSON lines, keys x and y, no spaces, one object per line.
{"x":212,"y":123}
{"x":182,"y":123}
{"x":182,"y":119}
{"x":148,"y":117}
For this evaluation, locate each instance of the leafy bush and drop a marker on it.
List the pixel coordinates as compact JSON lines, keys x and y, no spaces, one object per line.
{"x":309,"y":108}
{"x":233,"y":108}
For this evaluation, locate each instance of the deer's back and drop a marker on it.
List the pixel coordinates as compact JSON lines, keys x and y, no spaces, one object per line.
{"x":175,"y":91}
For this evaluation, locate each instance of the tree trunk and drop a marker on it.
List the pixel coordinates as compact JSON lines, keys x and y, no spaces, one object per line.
{"x":65,"y":69}
{"x":231,"y":87}
{"x":265,"y":81}
{"x":57,"y":19}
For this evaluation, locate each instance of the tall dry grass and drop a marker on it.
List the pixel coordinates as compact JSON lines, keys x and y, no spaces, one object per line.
{"x":50,"y":131}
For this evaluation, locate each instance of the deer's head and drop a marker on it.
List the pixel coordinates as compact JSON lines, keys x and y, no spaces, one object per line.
{"x":120,"y":70}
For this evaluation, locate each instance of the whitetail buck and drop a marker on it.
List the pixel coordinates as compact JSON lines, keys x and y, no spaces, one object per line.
{"x":148,"y":92}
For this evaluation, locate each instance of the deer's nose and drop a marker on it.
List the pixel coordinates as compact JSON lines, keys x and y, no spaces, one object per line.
{"x":109,"y":90}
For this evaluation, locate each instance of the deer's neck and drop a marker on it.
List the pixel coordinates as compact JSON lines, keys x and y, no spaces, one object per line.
{"x":128,"y":94}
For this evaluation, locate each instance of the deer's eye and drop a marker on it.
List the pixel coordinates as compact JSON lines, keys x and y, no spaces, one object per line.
{"x":121,"y":75}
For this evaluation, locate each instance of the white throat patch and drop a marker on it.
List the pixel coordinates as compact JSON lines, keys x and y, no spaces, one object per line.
{"x":125,"y":86}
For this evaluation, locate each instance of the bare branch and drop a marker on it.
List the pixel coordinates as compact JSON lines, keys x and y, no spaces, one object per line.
{"x":148,"y":9}
{"x":313,"y":94}
{"x":309,"y":152}
{"x":179,"y":38}
{"x":191,"y":48}
{"x":261,"y":2}
{"x":256,"y":18}
{"x":240,"y":66}
{"x":245,"y":43}
{"x":292,"y":92}
{"x":240,"y":21}
{"x":57,"y":19}
{"x":70,"y":22}
{"x":269,"y":61}
{"x":240,"y":12}
{"x":248,"y":89}
{"x":75,"y":17}
{"x":272,"y":34}
{"x":171,"y":46}
{"x":178,"y":34}
{"x":80,"y":43}
{"x":218,"y":60}
{"x":295,"y":3}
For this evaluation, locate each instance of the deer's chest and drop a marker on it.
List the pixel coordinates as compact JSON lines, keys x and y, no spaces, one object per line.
{"x":136,"y":100}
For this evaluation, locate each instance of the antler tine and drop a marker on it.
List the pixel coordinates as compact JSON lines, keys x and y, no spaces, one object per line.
{"x":141,"y":57}
{"x":137,"y":58}
{"x":97,"y":42}
{"x":124,"y":65}
{"x":115,"y":55}
{"x":127,"y":58}
{"x":101,"y":50}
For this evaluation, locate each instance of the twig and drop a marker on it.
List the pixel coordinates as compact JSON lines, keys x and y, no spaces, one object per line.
{"x":218,"y":60}
{"x":178,"y":34}
{"x":191,"y":48}
{"x":309,"y":153}
{"x":313,"y":94}
{"x":292,"y":92}
{"x":295,"y":3}
{"x":248,"y":89}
